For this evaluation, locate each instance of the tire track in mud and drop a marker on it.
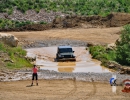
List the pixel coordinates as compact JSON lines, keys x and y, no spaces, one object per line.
{"x":72,"y":91}
{"x":91,"y":94}
{"x":94,"y":91}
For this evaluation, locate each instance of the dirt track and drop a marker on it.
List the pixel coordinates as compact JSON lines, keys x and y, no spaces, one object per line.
{"x":45,"y":58}
{"x":60,"y":90}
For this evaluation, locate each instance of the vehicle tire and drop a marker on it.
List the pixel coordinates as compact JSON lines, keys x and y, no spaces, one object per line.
{"x":55,"y":60}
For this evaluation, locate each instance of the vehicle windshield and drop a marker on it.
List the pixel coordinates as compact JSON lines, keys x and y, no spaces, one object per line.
{"x":65,"y":50}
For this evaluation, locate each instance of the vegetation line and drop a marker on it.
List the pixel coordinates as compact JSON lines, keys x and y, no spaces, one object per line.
{"x":80,"y":7}
{"x":119,"y":54}
{"x":13,"y":57}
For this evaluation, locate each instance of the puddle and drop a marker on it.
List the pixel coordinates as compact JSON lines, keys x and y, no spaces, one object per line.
{"x":45,"y":57}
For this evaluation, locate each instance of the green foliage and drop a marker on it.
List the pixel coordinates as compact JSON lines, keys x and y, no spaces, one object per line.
{"x":120,"y":54}
{"x":42,"y":22}
{"x":18,"y":51}
{"x":19,"y":63}
{"x":2,"y":47}
{"x":17,"y":55}
{"x":123,"y":47}
{"x":101,"y":53}
{"x":7,"y":24}
{"x":82,"y":7}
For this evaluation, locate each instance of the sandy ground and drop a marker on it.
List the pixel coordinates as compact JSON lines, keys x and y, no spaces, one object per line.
{"x":104,"y":35}
{"x":60,"y":90}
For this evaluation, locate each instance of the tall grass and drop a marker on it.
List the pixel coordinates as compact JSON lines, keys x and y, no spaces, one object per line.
{"x":17,"y":55}
{"x":101,"y":53}
{"x":2,"y":47}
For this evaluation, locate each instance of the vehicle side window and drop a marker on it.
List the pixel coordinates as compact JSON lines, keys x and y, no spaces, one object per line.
{"x":58,"y":50}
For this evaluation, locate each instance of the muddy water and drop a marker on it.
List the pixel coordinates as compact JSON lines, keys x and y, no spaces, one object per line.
{"x":45,"y":58}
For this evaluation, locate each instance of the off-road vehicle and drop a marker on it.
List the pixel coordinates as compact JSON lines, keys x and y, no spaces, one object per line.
{"x":65,"y":53}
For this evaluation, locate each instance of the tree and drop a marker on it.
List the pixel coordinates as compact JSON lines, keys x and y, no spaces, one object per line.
{"x":123,"y":47}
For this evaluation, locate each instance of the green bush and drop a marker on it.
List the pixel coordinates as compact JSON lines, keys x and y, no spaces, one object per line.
{"x":6,"y":23}
{"x":101,"y":53}
{"x":123,"y":47}
{"x":42,"y":22}
{"x":120,"y":54}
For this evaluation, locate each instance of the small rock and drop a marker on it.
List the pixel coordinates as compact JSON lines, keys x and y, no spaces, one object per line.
{"x":8,"y":60}
{"x":9,"y":78}
{"x":111,"y":66}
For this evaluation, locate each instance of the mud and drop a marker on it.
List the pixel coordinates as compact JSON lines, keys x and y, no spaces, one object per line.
{"x":47,"y":74}
{"x":84,"y":69}
{"x":45,"y":57}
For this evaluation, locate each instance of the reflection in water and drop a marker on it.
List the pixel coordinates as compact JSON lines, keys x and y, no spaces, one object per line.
{"x":66,"y":63}
{"x":65,"y":69}
{"x":66,"y":66}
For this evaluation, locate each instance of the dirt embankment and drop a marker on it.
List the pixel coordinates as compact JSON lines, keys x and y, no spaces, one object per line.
{"x":112,"y":20}
{"x":73,"y":37}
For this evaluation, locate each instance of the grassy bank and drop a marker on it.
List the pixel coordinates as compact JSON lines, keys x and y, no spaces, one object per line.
{"x":80,"y":7}
{"x":13,"y":57}
{"x":103,"y":54}
{"x":119,"y":54}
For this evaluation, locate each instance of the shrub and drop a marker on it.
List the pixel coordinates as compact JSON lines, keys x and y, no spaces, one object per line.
{"x":42,"y":22}
{"x":123,"y":47}
{"x":101,"y":53}
{"x":6,"y":23}
{"x":16,"y":54}
{"x":120,"y":54}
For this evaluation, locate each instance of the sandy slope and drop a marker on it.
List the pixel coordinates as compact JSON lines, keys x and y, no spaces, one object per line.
{"x":99,"y":35}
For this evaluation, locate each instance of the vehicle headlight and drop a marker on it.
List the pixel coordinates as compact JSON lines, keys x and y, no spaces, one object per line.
{"x":72,"y":56}
{"x":61,"y":55}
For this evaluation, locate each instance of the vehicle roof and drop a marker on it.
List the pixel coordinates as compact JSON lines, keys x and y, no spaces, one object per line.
{"x":64,"y":47}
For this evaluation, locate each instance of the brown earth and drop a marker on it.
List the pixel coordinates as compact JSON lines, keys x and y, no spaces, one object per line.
{"x":112,"y":20}
{"x":91,"y":35}
{"x":60,"y":90}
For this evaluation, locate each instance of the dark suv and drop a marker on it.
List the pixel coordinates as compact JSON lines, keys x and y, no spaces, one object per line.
{"x":65,"y":53}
